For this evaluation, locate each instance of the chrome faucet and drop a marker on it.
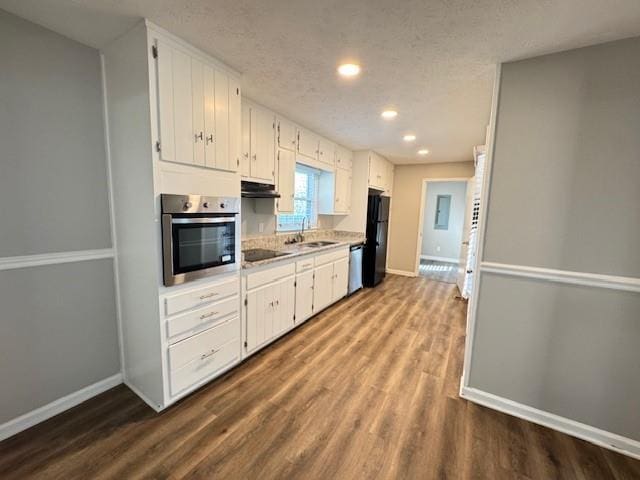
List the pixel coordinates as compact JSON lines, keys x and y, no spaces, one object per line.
{"x":300,"y":234}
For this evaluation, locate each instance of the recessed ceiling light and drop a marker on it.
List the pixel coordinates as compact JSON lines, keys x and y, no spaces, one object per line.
{"x":389,"y":114}
{"x":423,"y":151}
{"x":349,"y":69}
{"x":409,"y":138}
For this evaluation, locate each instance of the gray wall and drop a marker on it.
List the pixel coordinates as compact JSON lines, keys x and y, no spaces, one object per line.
{"x":57,"y":323}
{"x":565,"y":194}
{"x":444,"y":243}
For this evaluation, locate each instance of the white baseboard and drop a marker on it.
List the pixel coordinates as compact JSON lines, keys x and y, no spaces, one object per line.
{"x":440,"y":259}
{"x":52,"y":409}
{"x":404,"y":273}
{"x":594,"y":435}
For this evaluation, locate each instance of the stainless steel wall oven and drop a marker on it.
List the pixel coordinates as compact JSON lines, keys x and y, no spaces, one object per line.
{"x":199,"y":236}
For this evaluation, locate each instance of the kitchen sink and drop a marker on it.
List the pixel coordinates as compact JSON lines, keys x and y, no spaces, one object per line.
{"x":321,"y":243}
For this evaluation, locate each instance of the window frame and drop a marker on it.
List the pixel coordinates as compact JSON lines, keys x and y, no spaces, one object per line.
{"x":311,"y":210}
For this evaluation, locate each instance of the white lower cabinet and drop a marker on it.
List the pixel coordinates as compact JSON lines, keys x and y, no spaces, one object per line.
{"x":304,"y":296}
{"x":279,"y":297}
{"x":323,"y":295}
{"x":269,"y":312}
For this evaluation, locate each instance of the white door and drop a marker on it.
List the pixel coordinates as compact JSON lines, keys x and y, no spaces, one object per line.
{"x":245,"y":155}
{"x":340,"y":278}
{"x":263,"y":156}
{"x":326,"y":151}
{"x":235,"y":109}
{"x":259,"y":316}
{"x":466,"y":230}
{"x":323,"y":287}
{"x":286,"y":133}
{"x":209,"y":117}
{"x":165,"y":102}
{"x":183,"y":107}
{"x":221,"y":137}
{"x":286,"y":180}
{"x":197,"y":101}
{"x":284,"y":298}
{"x":342,"y":191}
{"x":304,"y":296}
{"x":308,"y":143}
{"x":343,"y":158}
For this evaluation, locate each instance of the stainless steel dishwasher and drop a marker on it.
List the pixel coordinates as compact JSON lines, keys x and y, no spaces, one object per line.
{"x":355,"y":268}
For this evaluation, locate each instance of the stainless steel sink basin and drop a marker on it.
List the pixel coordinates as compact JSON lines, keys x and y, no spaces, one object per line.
{"x":322,"y":243}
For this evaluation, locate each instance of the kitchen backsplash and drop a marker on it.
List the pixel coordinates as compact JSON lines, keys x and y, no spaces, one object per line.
{"x":277,"y":241}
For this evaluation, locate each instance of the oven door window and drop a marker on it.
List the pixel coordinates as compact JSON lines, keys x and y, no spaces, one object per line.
{"x":197,"y":246}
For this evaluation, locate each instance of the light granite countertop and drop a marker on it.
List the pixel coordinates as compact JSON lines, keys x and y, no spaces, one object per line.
{"x":300,"y":249}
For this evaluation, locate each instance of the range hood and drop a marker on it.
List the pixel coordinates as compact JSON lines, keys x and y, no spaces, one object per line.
{"x":258,"y":190}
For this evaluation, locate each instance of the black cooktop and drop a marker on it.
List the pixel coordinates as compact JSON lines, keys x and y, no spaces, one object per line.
{"x":258,"y":254}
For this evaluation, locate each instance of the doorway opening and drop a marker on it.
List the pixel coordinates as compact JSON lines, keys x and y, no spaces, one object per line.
{"x":444,"y":212}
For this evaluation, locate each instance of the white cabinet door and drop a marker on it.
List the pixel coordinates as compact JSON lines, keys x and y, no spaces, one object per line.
{"x":235,"y":110}
{"x":165,"y":102}
{"x":304,"y":296}
{"x":209,"y":117}
{"x":245,"y":155}
{"x":221,"y":135}
{"x":344,"y":158}
{"x":323,"y":287}
{"x":183,"y":107}
{"x":259,"y":316}
{"x":342,"y":191}
{"x":376,"y":171}
{"x":286,"y":180}
{"x":308,"y":143}
{"x":197,"y":101}
{"x":340,"y":278}
{"x":326,"y":151}
{"x":284,"y":298}
{"x":263,"y":156}
{"x":286,"y":134}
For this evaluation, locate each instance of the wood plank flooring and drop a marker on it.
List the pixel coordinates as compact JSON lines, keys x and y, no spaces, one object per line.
{"x":366,"y":390}
{"x":438,"y":271}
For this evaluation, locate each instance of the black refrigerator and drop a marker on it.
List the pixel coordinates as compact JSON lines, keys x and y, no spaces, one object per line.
{"x":374,"y":262}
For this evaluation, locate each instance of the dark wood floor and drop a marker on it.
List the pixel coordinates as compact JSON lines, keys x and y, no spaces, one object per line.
{"x":368,"y":389}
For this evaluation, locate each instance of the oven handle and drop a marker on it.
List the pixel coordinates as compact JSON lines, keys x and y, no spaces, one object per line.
{"x":204,"y":220}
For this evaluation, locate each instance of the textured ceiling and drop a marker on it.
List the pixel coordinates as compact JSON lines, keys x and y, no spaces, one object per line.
{"x":431,"y":60}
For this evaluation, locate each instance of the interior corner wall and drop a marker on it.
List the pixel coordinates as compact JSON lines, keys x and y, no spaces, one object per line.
{"x":565,"y":195}
{"x":58,"y":329}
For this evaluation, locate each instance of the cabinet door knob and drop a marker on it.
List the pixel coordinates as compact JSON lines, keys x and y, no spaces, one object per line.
{"x":254,"y":156}
{"x":199,"y":136}
{"x":210,"y":138}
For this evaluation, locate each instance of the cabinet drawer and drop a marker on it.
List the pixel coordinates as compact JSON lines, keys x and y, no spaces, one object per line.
{"x":199,"y":348}
{"x":200,"y":296}
{"x":306,"y":264}
{"x":332,"y":256}
{"x":255,"y":280}
{"x":201,"y":318}
{"x":204,"y":365}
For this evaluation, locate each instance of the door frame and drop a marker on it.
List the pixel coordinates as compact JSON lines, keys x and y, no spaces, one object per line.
{"x":423,"y":199}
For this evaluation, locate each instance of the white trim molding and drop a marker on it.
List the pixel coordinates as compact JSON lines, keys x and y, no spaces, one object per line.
{"x":25,"y":261}
{"x":602,"y":438}
{"x":404,"y":273}
{"x":56,"y":407}
{"x":598,"y":280}
{"x":440,"y":259}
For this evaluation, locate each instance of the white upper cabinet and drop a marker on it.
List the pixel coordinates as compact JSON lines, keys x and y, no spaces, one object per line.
{"x":344,"y":158}
{"x":380,"y":173}
{"x":199,"y":110}
{"x":286,"y":180}
{"x":286,"y":133}
{"x":308,"y":143}
{"x":343,"y":191}
{"x":258,"y":143}
{"x":326,"y":151}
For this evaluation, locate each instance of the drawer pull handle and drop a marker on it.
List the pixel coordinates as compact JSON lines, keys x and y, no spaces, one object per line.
{"x":208,"y":295}
{"x":207,"y":315}
{"x":208,"y":354}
